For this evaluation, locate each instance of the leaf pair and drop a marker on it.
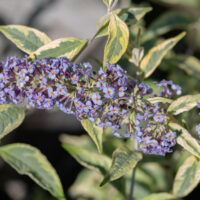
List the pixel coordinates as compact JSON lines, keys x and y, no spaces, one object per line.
{"x":122,"y":160}
{"x":38,"y":44}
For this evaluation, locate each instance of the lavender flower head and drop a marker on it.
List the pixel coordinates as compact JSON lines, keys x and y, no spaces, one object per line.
{"x":108,"y":98}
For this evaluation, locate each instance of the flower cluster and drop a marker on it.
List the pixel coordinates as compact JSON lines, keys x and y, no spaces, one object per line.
{"x":106,"y":97}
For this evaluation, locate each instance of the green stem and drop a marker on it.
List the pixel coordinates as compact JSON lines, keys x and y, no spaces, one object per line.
{"x":94,"y":36}
{"x":132,"y":185}
{"x":130,"y":197}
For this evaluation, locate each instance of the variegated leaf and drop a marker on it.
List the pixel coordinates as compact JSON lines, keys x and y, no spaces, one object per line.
{"x":108,"y":3}
{"x":167,"y":22}
{"x":190,"y":64}
{"x":68,"y":47}
{"x":193,"y":3}
{"x":25,"y":38}
{"x":155,"y":55}
{"x":123,"y":160}
{"x":134,"y":13}
{"x":28,"y":160}
{"x":185,"y":139}
{"x":187,"y":177}
{"x":89,"y":159}
{"x":94,"y":132}
{"x":159,"y":100}
{"x":184,"y":103}
{"x":11,"y":117}
{"x":117,"y":40}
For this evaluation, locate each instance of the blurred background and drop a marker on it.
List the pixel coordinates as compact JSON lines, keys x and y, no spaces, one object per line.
{"x":78,"y":18}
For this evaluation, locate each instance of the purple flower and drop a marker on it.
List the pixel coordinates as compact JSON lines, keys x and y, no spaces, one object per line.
{"x":31,"y":68}
{"x":101,"y":84}
{"x":77,"y":103}
{"x":113,"y":110}
{"x":39,"y":99}
{"x":51,"y":93}
{"x":61,"y":90}
{"x":87,"y":106}
{"x":52,"y":74}
{"x":4,"y":78}
{"x":109,"y":92}
{"x":198,"y":129}
{"x":121,"y":91}
{"x":170,"y":136}
{"x":96,"y":98}
{"x":159,"y":118}
{"x":43,"y":82}
{"x":75,"y":79}
{"x":176,"y":88}
{"x":48,"y":104}
{"x":22,"y":72}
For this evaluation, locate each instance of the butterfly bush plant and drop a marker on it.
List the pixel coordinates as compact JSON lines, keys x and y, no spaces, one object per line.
{"x":131,"y":120}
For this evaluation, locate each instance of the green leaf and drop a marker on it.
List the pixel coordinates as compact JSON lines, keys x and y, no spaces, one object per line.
{"x":160,"y":196}
{"x":25,"y":38}
{"x":28,"y":160}
{"x":187,"y":177}
{"x":188,"y":142}
{"x":82,"y":141}
{"x":190,"y":64}
{"x":159,"y":100}
{"x":155,"y":55}
{"x":68,"y":47}
{"x":123,"y":160}
{"x":167,"y":22}
{"x":108,"y":3}
{"x":184,"y":103}
{"x":126,"y":14}
{"x":11,"y":117}
{"x":117,"y":42}
{"x":86,"y":185}
{"x":89,"y":159}
{"x":94,"y":132}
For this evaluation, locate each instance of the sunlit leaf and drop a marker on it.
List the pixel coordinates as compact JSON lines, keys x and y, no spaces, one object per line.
{"x":185,"y":139}
{"x":123,"y":160}
{"x":159,"y":100}
{"x":155,"y":55}
{"x":68,"y":47}
{"x":184,"y":103}
{"x":11,"y":117}
{"x":25,"y":38}
{"x":28,"y":160}
{"x":117,"y":40}
{"x":94,"y":132}
{"x":126,"y":14}
{"x":187,"y":177}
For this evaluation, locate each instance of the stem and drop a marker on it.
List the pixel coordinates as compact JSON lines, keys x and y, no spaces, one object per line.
{"x":93,"y":37}
{"x":132,"y":184}
{"x":133,"y":177}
